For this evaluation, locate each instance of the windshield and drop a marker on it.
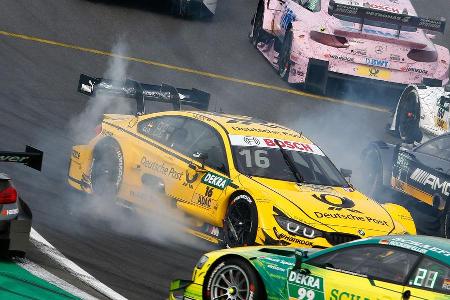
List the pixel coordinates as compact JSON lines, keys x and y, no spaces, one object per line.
{"x":268,"y":162}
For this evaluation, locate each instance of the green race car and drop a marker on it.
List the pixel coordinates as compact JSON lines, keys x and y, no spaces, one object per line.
{"x":388,"y":267}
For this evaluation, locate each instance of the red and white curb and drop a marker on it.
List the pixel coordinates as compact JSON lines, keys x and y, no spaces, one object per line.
{"x":48,"y":249}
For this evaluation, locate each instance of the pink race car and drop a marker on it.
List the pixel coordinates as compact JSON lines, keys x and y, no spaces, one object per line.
{"x":381,"y":42}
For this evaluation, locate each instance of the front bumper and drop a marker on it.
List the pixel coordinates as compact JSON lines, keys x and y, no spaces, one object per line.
{"x":185,"y":290}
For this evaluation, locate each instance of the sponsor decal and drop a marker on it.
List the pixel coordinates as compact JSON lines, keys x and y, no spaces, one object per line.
{"x":341,"y":295}
{"x":308,"y":287}
{"x":362,"y":52}
{"x":342,"y":58}
{"x":287,"y":18}
{"x":373,"y":72}
{"x":446,"y":284}
{"x":377,"y":62}
{"x":13,"y":158}
{"x":276,"y":268}
{"x":291,"y":239}
{"x":395,"y":57}
{"x":215,"y":180}
{"x":336,"y":202}
{"x":240,"y":140}
{"x":379,"y":49}
{"x":161,"y":168}
{"x":278,"y":261}
{"x":107,"y":132}
{"x":381,"y":7}
{"x":351,"y":217}
{"x":205,"y":200}
{"x":415,"y":246}
{"x":414,"y":70}
{"x":189,"y":180}
{"x":361,"y":232}
{"x":427,"y":179}
{"x":9,"y":212}
{"x":76,"y":154}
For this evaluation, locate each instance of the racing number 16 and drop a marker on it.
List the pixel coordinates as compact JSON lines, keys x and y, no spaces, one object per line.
{"x":260,"y":158}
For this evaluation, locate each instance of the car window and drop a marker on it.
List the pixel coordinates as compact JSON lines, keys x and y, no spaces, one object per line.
{"x":378,"y":262}
{"x":431,"y":275}
{"x":312,"y":5}
{"x":160,"y":128}
{"x":439,"y":147}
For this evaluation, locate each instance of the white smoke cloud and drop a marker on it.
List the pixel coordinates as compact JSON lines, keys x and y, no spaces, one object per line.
{"x":160,"y":222}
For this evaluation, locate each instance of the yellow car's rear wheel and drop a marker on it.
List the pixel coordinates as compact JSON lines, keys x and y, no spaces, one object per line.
{"x":107,"y":169}
{"x":241,"y":222}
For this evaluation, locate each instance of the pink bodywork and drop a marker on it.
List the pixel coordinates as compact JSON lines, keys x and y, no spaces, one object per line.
{"x":372,"y":44}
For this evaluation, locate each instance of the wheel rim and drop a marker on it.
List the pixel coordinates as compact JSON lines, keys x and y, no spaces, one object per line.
{"x":103,"y":177}
{"x":239,"y":224}
{"x":283,"y":64}
{"x":230,"y":283}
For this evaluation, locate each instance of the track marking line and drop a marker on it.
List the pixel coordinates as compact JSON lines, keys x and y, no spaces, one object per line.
{"x":192,"y":71}
{"x":42,"y":273}
{"x":48,"y":249}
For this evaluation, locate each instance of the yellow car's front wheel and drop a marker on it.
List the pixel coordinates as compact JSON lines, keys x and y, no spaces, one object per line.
{"x":241,"y":221}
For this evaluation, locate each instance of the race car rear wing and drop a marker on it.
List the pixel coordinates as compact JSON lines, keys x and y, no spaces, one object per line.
{"x":362,"y":14}
{"x":142,"y":92}
{"x":32,"y":157}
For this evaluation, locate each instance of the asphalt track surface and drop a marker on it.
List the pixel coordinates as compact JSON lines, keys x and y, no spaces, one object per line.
{"x":56,"y":42}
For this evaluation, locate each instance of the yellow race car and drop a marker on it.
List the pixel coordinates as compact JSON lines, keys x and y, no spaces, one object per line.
{"x":244,"y":181}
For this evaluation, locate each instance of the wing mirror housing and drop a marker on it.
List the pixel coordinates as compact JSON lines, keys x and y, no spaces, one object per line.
{"x":202,"y":158}
{"x":447,"y":88}
{"x":300,"y":255}
{"x":347,"y":173}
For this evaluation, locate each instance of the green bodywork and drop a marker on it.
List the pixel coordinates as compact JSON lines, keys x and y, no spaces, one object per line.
{"x":275,"y":265}
{"x":17,"y":283}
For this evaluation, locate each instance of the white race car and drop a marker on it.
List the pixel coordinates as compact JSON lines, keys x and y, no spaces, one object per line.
{"x":422,"y":110}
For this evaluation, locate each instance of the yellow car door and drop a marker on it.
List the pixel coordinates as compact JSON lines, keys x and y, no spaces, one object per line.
{"x":429,"y":281}
{"x":364,"y":272}
{"x":160,"y":163}
{"x":206,"y":176}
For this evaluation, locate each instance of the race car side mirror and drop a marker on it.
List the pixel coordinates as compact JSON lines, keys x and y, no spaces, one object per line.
{"x":346,"y":173}
{"x":447,"y":88}
{"x":201,"y":157}
{"x":299,"y":256}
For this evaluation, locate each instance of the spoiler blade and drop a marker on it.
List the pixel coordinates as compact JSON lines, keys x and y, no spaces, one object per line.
{"x":32,"y":157}
{"x":142,"y":92}
{"x":361,"y":13}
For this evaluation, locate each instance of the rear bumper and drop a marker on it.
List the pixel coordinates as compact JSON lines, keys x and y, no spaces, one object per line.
{"x":15,"y":234}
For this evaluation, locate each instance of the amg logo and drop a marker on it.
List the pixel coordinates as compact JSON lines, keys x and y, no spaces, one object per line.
{"x":434,"y":182}
{"x":9,"y":158}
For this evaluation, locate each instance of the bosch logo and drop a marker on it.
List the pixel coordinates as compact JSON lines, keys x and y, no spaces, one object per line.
{"x":251,"y":140}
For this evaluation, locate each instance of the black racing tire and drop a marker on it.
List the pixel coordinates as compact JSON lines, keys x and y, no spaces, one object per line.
{"x":284,"y":57}
{"x":178,"y":8}
{"x":107,"y":169}
{"x":241,"y":222}
{"x":235,"y":278}
{"x":257,"y":31}
{"x":408,"y":119}
{"x":373,"y":171}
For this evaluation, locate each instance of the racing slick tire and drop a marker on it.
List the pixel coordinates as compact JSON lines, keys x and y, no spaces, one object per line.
{"x":372,"y":167}
{"x":234,"y":278}
{"x":107,"y":169}
{"x":408,"y":119}
{"x":257,"y":34}
{"x":241,"y":222}
{"x":284,"y":57}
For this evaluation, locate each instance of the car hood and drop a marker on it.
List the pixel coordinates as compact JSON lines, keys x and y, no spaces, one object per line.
{"x":338,"y":208}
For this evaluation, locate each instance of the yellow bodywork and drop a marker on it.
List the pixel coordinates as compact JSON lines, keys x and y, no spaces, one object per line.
{"x":146,"y":157}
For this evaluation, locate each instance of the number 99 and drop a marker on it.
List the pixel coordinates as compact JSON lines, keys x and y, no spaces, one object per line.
{"x":305,"y":294}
